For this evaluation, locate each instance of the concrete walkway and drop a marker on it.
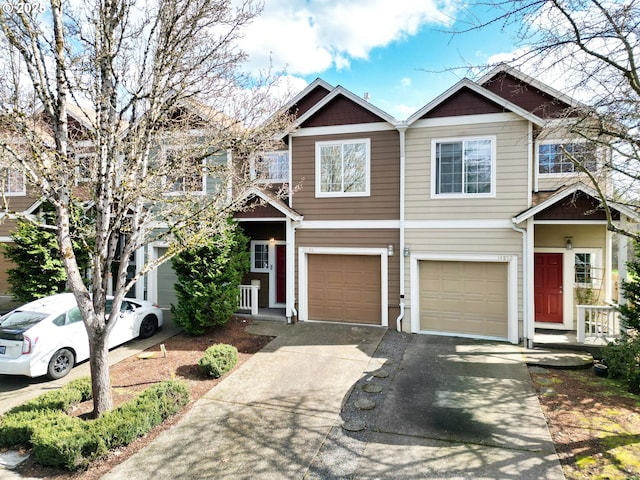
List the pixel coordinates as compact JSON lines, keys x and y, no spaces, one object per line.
{"x":447,"y":409}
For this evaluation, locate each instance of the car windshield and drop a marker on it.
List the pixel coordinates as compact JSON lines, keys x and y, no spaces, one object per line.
{"x":21,"y":319}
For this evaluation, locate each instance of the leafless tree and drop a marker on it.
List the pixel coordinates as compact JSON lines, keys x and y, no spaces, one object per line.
{"x":592,"y":49}
{"x":136,"y":107}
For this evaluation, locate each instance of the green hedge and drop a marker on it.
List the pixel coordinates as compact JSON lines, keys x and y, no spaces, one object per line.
{"x":60,"y":440}
{"x":218,"y":359}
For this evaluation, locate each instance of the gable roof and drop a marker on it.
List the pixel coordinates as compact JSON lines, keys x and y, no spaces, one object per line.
{"x":276,"y":203}
{"x":317,"y":83}
{"x":543,"y":87}
{"x":465,"y":83}
{"x":565,"y":192}
{"x":341,"y":91}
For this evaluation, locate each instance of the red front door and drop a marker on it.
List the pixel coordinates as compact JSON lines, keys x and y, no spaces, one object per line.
{"x":547,"y":289}
{"x":281,"y":274}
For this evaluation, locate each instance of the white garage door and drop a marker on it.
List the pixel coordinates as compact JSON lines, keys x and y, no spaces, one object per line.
{"x":468,"y":298}
{"x":345,"y":288}
{"x":166,"y":279}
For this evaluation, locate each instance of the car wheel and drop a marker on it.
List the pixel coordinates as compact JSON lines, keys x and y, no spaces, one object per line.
{"x":149,"y":326}
{"x":60,"y":364}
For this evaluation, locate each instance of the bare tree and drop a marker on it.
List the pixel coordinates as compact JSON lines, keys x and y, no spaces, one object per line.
{"x":158,"y":87}
{"x":592,"y":49}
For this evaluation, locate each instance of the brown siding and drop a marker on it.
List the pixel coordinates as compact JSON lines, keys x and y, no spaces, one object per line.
{"x":576,"y":207}
{"x":360,"y":238}
{"x":341,"y":111}
{"x":464,"y":102}
{"x":382,"y":204}
{"x":526,"y":96}
{"x":260,"y":211}
{"x":308,"y":101}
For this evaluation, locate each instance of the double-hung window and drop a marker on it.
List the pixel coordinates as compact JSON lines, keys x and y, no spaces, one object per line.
{"x":463,"y":167}
{"x":13,"y":181}
{"x":272,"y":167}
{"x":183,"y":172}
{"x":260,"y":256}
{"x":343,"y":168}
{"x":557,"y":157}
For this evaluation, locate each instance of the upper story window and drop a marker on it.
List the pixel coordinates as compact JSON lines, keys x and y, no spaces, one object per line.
{"x":185,"y":174}
{"x":343,"y":168}
{"x":83,"y":167}
{"x":273,"y":167}
{"x":13,"y":181}
{"x":463,"y":167}
{"x":556,"y":157}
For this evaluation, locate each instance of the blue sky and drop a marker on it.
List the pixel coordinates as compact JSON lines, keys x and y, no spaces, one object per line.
{"x":400,"y":52}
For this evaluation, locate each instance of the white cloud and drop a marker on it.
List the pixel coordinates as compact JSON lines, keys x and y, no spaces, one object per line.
{"x":311,"y":36}
{"x":405,"y":82}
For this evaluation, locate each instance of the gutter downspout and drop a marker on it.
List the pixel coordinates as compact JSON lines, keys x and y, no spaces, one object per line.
{"x":528,"y":342}
{"x":402,"y":128}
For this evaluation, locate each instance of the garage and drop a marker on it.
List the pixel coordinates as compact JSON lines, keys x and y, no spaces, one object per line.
{"x":463,"y":297}
{"x":344,"y":288}
{"x":166,"y":278}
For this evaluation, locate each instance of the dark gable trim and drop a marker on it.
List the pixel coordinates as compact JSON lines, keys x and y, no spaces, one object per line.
{"x":526,"y":96}
{"x":579,"y":206}
{"x":341,"y":111}
{"x":255,"y":209}
{"x":308,"y":101}
{"x":464,"y":102}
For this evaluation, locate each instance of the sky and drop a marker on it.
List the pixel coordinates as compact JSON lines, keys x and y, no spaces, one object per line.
{"x":402,"y":53}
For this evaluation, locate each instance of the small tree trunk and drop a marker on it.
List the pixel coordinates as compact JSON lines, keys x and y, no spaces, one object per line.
{"x":100,"y":382}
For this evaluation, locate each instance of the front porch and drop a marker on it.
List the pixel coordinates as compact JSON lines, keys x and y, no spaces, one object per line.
{"x":596,"y":327}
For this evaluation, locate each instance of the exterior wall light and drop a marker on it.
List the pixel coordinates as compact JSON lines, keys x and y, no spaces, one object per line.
{"x":406,"y":252}
{"x":390,"y":249}
{"x":568,"y":243}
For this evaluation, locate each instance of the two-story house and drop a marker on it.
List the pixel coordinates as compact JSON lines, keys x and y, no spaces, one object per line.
{"x":466,"y":219}
{"x":328,"y":250}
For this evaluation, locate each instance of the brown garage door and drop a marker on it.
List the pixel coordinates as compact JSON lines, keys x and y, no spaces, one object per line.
{"x":344,"y":288}
{"x":464,"y":297}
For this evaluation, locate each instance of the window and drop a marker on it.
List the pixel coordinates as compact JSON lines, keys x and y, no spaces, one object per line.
{"x":343,"y":168}
{"x":273,"y":167}
{"x":83,"y":167}
{"x":583,"y":268}
{"x":259,"y":256}
{"x":464,"y":167}
{"x":556,"y":157}
{"x":13,"y":181}
{"x":184,"y":173}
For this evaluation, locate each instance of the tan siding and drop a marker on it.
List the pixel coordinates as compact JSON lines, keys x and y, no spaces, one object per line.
{"x":511,"y":173}
{"x":464,"y":242}
{"x":359,"y":238}
{"x":382,"y":204}
{"x":582,"y":236}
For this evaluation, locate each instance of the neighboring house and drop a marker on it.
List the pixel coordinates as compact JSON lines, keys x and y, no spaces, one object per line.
{"x":18,"y":197}
{"x":471,"y":201}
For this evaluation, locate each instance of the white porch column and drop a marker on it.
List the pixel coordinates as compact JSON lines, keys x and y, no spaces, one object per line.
{"x":290,"y":237}
{"x":622,"y":259}
{"x":528,"y":294}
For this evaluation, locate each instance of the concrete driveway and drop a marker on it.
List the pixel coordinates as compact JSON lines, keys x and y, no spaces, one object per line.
{"x":446,"y":408}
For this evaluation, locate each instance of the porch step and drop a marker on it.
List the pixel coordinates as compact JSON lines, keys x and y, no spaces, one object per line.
{"x":594,"y":350}
{"x":558,"y":358}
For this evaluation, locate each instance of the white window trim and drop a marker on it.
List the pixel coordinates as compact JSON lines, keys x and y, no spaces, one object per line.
{"x":596,"y":266}
{"x":367,"y":191}
{"x":253,"y":256}
{"x":254,"y":168}
{"x":77,"y":158}
{"x":203,"y":189}
{"x":557,"y":141}
{"x":23,"y":191}
{"x":435,"y":141}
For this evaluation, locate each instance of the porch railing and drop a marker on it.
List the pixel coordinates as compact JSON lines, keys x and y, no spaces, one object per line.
{"x":249,"y":298}
{"x":597,"y":321}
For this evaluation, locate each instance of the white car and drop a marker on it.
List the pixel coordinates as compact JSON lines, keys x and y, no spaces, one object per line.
{"x":48,"y":337}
